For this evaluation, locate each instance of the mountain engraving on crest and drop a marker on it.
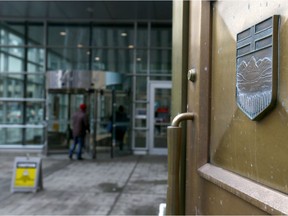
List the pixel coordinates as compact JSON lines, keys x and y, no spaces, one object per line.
{"x":254,"y":85}
{"x":257,"y":68}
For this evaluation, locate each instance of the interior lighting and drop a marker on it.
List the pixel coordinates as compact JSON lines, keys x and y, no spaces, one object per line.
{"x":138,"y":59}
{"x":124,"y":34}
{"x":97,"y":58}
{"x":79,"y":45}
{"x":130,"y":46}
{"x":63,"y":33}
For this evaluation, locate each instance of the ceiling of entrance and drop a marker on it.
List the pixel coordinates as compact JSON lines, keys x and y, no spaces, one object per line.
{"x":87,"y":10}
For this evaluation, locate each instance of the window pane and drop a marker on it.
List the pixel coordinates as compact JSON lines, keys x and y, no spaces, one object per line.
{"x":34,"y":136}
{"x":15,"y":64}
{"x":68,"y":59}
{"x":160,"y":62}
{"x":35,"y":34}
{"x":115,"y":60}
{"x":15,"y":52}
{"x":160,"y":77}
{"x":68,"y":35}
{"x":141,"y":61}
{"x":14,"y":136}
{"x":35,"y":86}
{"x":2,"y":87}
{"x":3,"y":114}
{"x":12,"y":59}
{"x":11,"y":136}
{"x":12,"y":34}
{"x":58,"y":107}
{"x":3,"y":66}
{"x":161,"y":35}
{"x":11,"y":85}
{"x":35,"y":60}
{"x":11,"y":112}
{"x":140,"y":138}
{"x":34,"y":113}
{"x":113,"y":36}
{"x":142,"y":35}
{"x":141,"y":88}
{"x":3,"y":36}
{"x":141,"y":115}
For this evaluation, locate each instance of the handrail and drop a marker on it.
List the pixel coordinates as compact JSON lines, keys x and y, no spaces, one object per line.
{"x":174,"y":141}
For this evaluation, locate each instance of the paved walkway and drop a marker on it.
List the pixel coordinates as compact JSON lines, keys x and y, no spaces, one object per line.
{"x":125,"y":185}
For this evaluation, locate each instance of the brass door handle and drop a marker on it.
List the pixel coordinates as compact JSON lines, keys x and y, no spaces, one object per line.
{"x":174,"y":141}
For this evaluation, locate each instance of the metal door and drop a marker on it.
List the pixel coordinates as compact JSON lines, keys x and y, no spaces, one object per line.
{"x":159,"y":116}
{"x":234,"y":165}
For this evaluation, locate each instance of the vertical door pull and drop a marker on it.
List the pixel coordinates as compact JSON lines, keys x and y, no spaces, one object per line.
{"x":174,"y":140}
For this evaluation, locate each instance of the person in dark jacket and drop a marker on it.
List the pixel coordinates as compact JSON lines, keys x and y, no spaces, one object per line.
{"x":80,"y":124}
{"x":121,"y":126}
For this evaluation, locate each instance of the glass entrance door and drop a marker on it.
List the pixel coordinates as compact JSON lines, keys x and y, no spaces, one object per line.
{"x":61,"y":106}
{"x":159,"y":116}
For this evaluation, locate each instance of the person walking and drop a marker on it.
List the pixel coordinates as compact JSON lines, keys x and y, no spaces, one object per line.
{"x":121,"y":126}
{"x":80,"y":124}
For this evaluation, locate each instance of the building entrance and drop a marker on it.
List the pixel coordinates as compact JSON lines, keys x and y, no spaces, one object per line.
{"x":66,"y":90}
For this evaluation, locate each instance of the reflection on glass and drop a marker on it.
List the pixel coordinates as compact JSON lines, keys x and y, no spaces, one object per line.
{"x":142,"y":35}
{"x":15,"y":64}
{"x":115,"y":60}
{"x":12,"y":33}
{"x":162,"y":117}
{"x":34,"y":113}
{"x":11,"y":85}
{"x":161,"y":35}
{"x":58,"y":106}
{"x":141,"y":115}
{"x":160,"y":61}
{"x":34,"y":136}
{"x":68,"y":59}
{"x":1,"y":86}
{"x":11,"y":113}
{"x":141,"y":61}
{"x":12,"y":59}
{"x":141,"y":88}
{"x":140,"y":138}
{"x":35,"y":60}
{"x":13,"y":52}
{"x":11,"y":136}
{"x":104,"y":112}
{"x":35,"y":86}
{"x":140,"y":123}
{"x":68,"y":35}
{"x":163,"y":78}
{"x":113,"y":36}
{"x":35,"y":34}
{"x":2,"y":62}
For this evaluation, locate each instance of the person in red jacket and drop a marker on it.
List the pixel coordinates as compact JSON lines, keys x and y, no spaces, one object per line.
{"x":80,"y":124}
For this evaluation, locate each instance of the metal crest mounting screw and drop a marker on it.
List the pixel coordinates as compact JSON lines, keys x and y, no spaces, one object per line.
{"x":192,"y":75}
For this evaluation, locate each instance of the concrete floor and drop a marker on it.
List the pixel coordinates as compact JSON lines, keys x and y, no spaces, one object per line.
{"x":124,"y":185}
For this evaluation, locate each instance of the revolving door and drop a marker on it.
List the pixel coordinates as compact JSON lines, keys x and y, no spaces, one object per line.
{"x":66,"y":90}
{"x":61,"y":106}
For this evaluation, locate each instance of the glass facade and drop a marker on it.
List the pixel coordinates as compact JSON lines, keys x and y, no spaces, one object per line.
{"x":22,"y":90}
{"x":139,"y":51}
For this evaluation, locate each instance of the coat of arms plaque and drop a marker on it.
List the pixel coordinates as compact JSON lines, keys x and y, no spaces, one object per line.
{"x":257,"y":68}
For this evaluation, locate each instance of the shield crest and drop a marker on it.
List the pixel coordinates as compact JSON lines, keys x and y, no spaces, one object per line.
{"x":257,"y":68}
